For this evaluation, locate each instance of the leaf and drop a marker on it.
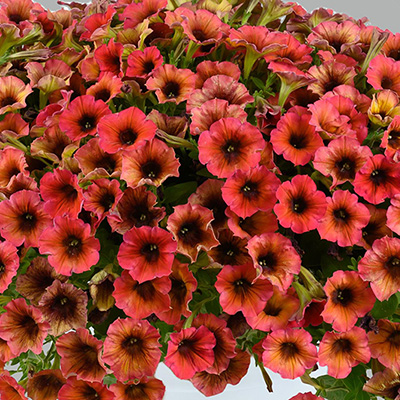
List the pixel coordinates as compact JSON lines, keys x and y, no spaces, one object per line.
{"x":178,"y":194}
{"x":386,"y":308}
{"x":354,"y":382}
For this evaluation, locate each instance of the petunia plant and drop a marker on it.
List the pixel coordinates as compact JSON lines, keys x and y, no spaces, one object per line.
{"x":203,"y":184}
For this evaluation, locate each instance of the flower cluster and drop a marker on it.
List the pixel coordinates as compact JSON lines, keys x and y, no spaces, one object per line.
{"x":199,"y":184}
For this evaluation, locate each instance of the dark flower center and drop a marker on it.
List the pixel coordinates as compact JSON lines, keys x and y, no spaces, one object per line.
{"x":178,"y":290}
{"x":151,"y":169}
{"x":386,"y":82}
{"x":69,"y":192}
{"x":241,"y":286}
{"x":145,"y":290}
{"x":90,"y":394}
{"x":135,"y":392}
{"x":103,"y":94}
{"x":17,"y":18}
{"x":148,"y":66}
{"x":249,"y":189}
{"x":394,"y":338}
{"x":272,"y":310}
{"x":394,"y":139}
{"x":329,"y":86}
{"x":171,"y":90}
{"x":342,"y":296}
{"x":7,"y":101}
{"x":378,"y":176}
{"x":394,"y":53}
{"x":289,"y":349}
{"x":132,"y":344}
{"x":298,"y":141}
{"x":299,"y":205}
{"x":200,"y":35}
{"x":107,"y":200}
{"x":346,"y":168}
{"x":28,"y":221}
{"x":151,"y":252}
{"x":128,"y":136}
{"x":231,"y":150}
{"x":267,"y":262}
{"x":74,"y":246}
{"x":341,"y":214}
{"x":342,"y":346}
{"x":87,"y":123}
{"x":393,"y":266}
{"x":30,"y":325}
{"x":336,"y":44}
{"x":190,"y":233}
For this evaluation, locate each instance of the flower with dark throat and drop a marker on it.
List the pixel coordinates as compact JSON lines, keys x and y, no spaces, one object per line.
{"x":384,"y":383}
{"x":9,"y":388}
{"x":9,"y":264}
{"x":45,"y":384}
{"x":78,"y":389}
{"x":131,"y":349}
{"x":81,"y":117}
{"x":13,"y":94}
{"x":147,"y":253}
{"x":349,"y":298}
{"x":289,"y":352}
{"x":64,"y":307}
{"x":343,"y":351}
{"x":141,"y":64}
{"x":146,"y":388}
{"x":190,"y":351}
{"x":80,"y":356}
{"x":191,"y":228}
{"x":70,"y":246}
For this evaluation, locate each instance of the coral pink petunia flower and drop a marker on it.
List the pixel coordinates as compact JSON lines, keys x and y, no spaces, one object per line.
{"x":343,"y":351}
{"x":190,"y":351}
{"x":45,"y":384}
{"x":141,"y":64}
{"x":76,"y":389}
{"x":289,"y":352}
{"x":147,"y":253}
{"x":384,"y":73}
{"x":70,"y":246}
{"x":146,"y":388}
{"x":13,"y":94}
{"x":9,"y":264}
{"x":349,"y":298}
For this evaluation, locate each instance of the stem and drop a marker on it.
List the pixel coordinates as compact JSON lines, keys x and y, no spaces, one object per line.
{"x":266,"y":377}
{"x":189,"y":321}
{"x":42,"y":100}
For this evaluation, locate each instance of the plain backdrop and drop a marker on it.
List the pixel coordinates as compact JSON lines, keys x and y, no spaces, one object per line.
{"x":384,"y":14}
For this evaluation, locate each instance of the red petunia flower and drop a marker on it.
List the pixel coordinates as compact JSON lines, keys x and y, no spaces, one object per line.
{"x":23,"y":218}
{"x":76,"y":389}
{"x":349,"y":298}
{"x":23,"y":327}
{"x":211,"y":384}
{"x":172,"y":84}
{"x":306,"y":396}
{"x":341,"y":159}
{"x":289,"y":352}
{"x":344,"y":219}
{"x":64,"y":307}
{"x":135,"y":13}
{"x":80,"y":356}
{"x":127,"y":130}
{"x":385,"y":344}
{"x":13,"y":94}
{"x":301,"y":205}
{"x":70,"y":246}
{"x":135,"y":208}
{"x":147,"y":388}
{"x":183,"y":284}
{"x":241,"y":290}
{"x":247,"y":192}
{"x":191,"y":227}
{"x":190,"y":351}
{"x":147,"y":253}
{"x":61,"y":193}
{"x":230,"y":145}
{"x":380,"y":266}
{"x":45,"y":384}
{"x":131,"y":349}
{"x":141,"y":64}
{"x":275,"y":258}
{"x":206,"y":69}
{"x":383,"y":73}
{"x":9,"y":388}
{"x":109,"y":58}
{"x":378,"y":179}
{"x":343,"y":351}
{"x":151,"y":163}
{"x":276,"y":314}
{"x":108,"y":87}
{"x":139,"y":300}
{"x":14,"y":126}
{"x":391,"y":140}
{"x":9,"y":264}
{"x":12,"y":163}
{"x":81,"y":117}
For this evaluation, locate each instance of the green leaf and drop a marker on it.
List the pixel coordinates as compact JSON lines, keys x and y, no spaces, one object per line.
{"x":386,"y":308}
{"x":109,"y":380}
{"x":354,"y":382}
{"x":178,"y":194}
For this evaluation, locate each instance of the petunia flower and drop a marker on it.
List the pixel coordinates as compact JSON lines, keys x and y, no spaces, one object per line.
{"x":70,"y":246}
{"x":343,"y":351}
{"x":108,"y":87}
{"x":274,"y":258}
{"x":64,"y":307}
{"x":230,"y":145}
{"x":45,"y":384}
{"x":136,"y":13}
{"x":289,"y":352}
{"x":306,"y":396}
{"x":190,"y":351}
{"x":383,"y":73}
{"x":9,"y":264}
{"x":23,"y":218}
{"x":191,"y":228}
{"x":247,"y":192}
{"x":150,"y":387}
{"x":349,"y":298}
{"x":384,"y":107}
{"x":380,"y":266}
{"x":344,"y":219}
{"x":241,"y":290}
{"x":301,"y":205}
{"x":206,"y":69}
{"x":131,"y":349}
{"x":109,"y":58}
{"x":9,"y":387}
{"x":126,"y":130}
{"x":13,"y":94}
{"x":75,"y":388}
{"x":23,"y":327}
{"x":147,"y":253}
{"x":141,"y":64}
{"x":391,"y":139}
{"x":80,"y":356}
{"x":384,"y":383}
